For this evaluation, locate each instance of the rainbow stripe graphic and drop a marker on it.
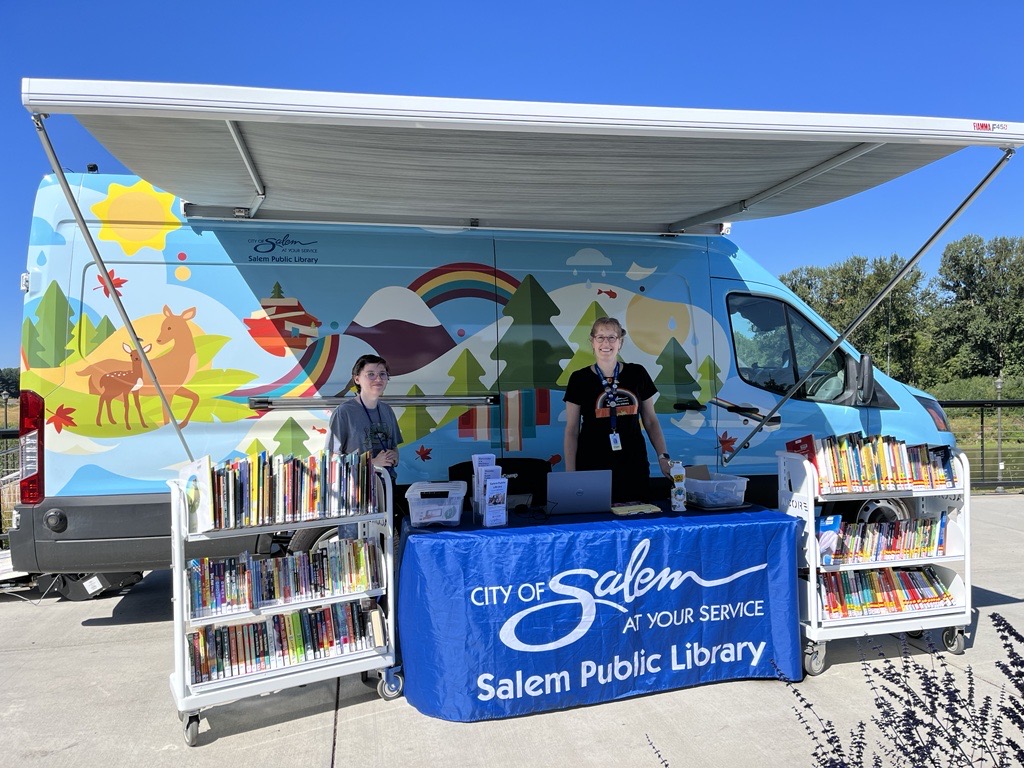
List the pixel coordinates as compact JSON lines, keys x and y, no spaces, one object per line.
{"x":305,"y":379}
{"x":464,"y":279}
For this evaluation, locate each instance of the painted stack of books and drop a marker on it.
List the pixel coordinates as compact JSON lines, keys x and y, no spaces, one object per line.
{"x":841,"y":543}
{"x":853,"y":463}
{"x":276,"y":490}
{"x":284,"y":640}
{"x":848,"y":594}
{"x":229,"y":585}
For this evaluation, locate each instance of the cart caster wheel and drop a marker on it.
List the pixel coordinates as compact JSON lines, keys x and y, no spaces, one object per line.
{"x":954,"y":640}
{"x":390,"y":690}
{"x":364,"y":676}
{"x":192,"y":730}
{"x":814,"y":660}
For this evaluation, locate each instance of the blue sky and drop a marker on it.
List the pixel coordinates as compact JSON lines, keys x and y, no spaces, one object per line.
{"x":935,"y":58}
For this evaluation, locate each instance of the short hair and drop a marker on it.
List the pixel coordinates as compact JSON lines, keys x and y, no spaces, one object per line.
{"x":608,"y":321}
{"x":364,"y":361}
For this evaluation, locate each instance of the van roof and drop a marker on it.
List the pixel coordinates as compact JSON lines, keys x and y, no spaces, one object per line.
{"x":270,"y":154}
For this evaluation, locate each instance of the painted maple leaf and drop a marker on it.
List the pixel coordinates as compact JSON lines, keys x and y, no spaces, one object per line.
{"x":62,"y":417}
{"x":117,"y":282}
{"x":423,"y":453}
{"x":728,"y":443}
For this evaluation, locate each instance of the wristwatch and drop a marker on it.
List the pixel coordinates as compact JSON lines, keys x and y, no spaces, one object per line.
{"x":664,"y":456}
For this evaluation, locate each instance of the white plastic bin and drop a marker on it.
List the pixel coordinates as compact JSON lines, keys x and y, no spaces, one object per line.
{"x":435,"y":503}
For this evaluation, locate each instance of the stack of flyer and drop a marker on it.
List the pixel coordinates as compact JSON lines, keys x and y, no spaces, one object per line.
{"x":490,"y":492}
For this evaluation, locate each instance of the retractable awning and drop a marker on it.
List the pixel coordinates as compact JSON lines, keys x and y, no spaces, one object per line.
{"x":235,"y":152}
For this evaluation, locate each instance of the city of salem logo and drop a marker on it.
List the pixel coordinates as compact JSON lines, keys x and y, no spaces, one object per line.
{"x":612,"y":588}
{"x":270,"y":244}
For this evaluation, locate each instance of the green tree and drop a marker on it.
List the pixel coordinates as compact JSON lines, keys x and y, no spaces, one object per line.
{"x":415,"y":421}
{"x":291,"y":438}
{"x":83,"y":337}
{"x":674,"y":381}
{"x":532,"y":347}
{"x":54,"y":326}
{"x":103,"y":331}
{"x":891,"y":334}
{"x":30,"y":345}
{"x":255,"y":448}
{"x":465,"y":373}
{"x":709,"y":381}
{"x":980,"y":311}
{"x":277,"y":292}
{"x":584,"y":354}
{"x":10,"y":381}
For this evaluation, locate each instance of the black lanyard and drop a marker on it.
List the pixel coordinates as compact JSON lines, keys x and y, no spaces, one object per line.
{"x":611,"y":392}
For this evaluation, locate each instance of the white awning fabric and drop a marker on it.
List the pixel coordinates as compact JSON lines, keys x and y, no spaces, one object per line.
{"x":314,"y":156}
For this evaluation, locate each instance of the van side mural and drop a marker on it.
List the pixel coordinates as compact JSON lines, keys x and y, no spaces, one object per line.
{"x":455,"y":313}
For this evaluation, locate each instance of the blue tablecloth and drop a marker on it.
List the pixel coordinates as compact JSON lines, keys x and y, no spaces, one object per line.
{"x":510,"y":621}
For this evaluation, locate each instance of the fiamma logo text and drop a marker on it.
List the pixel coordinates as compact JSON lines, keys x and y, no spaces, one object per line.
{"x":991,"y":126}
{"x":612,"y":588}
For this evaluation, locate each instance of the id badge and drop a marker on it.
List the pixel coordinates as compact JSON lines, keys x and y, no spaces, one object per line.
{"x":616,"y":441}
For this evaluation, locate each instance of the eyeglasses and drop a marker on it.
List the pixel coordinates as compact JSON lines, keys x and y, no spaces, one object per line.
{"x":382,"y":376}
{"x":605,"y":339}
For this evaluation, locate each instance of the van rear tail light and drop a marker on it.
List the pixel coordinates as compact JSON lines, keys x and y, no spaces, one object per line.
{"x":30,"y":436}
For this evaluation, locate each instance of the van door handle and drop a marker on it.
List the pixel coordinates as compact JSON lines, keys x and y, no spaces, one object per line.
{"x":689,"y":405}
{"x":753,"y":413}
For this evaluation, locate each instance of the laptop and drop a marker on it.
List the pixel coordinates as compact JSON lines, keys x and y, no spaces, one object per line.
{"x":574,"y":493}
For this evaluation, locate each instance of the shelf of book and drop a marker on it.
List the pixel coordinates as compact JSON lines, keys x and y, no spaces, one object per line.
{"x":249,"y":625}
{"x":864,"y":578}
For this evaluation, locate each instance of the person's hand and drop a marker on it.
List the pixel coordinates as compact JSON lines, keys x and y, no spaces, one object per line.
{"x":388,"y":458}
{"x":664,"y":463}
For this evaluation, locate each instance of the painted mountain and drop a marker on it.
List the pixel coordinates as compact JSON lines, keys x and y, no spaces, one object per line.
{"x":401,"y":328}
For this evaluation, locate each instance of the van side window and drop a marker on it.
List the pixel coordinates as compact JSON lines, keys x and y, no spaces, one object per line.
{"x":775,"y":345}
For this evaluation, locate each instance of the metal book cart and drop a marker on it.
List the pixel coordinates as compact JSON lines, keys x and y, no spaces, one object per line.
{"x":799,"y":494}
{"x":190,"y":697}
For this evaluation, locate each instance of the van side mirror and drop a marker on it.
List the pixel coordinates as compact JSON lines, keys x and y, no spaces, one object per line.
{"x":866,"y":379}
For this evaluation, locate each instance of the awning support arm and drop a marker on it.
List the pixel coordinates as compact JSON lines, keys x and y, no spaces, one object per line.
{"x":726,"y":212}
{"x":250,"y":166}
{"x":1007,"y":154}
{"x":37,"y":119}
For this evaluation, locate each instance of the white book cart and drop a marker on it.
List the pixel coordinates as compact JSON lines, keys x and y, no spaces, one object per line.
{"x":190,"y":695}
{"x":799,"y":496}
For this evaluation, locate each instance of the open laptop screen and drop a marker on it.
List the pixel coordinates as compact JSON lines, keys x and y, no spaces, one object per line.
{"x":587,"y":491}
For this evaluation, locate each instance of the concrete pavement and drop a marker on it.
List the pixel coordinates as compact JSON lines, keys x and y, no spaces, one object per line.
{"x":86,"y":685}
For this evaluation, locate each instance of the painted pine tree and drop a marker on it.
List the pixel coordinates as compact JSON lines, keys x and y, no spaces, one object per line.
{"x":465,"y":373}
{"x":54,"y":327}
{"x":584,"y":354}
{"x":255,"y":448}
{"x":415,"y":421}
{"x":291,"y":439}
{"x":532,"y":347}
{"x":674,"y":382}
{"x":83,"y":338}
{"x":709,"y":381}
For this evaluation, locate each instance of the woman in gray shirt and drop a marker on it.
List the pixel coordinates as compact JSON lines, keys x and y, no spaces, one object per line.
{"x":364,"y":423}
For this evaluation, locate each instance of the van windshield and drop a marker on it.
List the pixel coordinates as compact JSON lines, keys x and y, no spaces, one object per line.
{"x":775,"y":345}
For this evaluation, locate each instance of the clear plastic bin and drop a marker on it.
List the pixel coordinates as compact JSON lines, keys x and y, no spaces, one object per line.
{"x":435,"y":503}
{"x":720,"y":491}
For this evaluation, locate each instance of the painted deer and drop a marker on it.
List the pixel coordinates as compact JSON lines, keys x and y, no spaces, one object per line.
{"x":175,"y":367}
{"x":120,"y":384}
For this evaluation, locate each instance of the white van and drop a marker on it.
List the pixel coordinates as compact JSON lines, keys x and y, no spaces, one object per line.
{"x":272,"y":237}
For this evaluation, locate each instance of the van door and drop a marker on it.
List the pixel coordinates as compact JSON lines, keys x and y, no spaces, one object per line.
{"x":773,"y":343}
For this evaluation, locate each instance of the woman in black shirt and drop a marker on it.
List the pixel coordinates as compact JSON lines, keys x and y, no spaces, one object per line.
{"x":605,"y":405}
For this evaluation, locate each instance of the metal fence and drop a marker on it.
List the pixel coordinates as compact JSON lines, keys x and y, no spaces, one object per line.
{"x":991,"y":433}
{"x":9,"y":476}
